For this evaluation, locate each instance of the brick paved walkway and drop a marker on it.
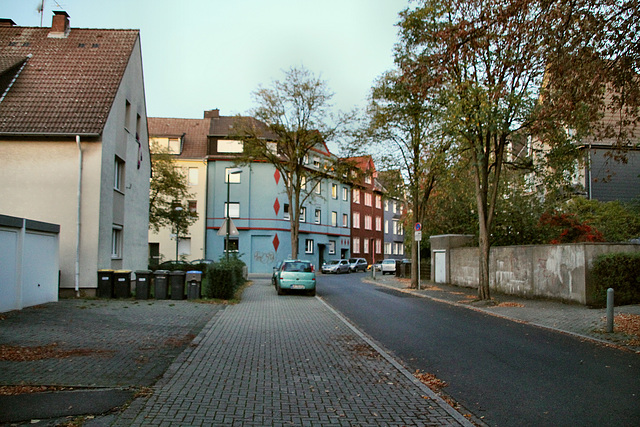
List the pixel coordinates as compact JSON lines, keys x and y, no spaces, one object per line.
{"x":116,"y":342}
{"x":287,"y":360}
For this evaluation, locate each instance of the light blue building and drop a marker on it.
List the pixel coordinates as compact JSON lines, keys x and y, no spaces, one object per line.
{"x":259,"y":208}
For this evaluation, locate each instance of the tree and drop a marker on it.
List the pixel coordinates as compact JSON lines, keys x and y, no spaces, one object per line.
{"x":509,"y":70}
{"x":168,"y":195}
{"x":401,"y":121}
{"x":292,"y":119}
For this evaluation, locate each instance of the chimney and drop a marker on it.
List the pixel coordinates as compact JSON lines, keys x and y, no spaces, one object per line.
{"x":59,"y":25}
{"x":212,"y":114}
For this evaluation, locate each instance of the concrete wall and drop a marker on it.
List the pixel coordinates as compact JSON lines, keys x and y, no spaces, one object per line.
{"x":29,"y":263}
{"x":549,"y":271}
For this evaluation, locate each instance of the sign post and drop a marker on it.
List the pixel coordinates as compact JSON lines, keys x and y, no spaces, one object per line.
{"x":418,"y":239}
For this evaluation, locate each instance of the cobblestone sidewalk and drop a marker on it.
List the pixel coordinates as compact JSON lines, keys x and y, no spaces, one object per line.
{"x":287,"y":360}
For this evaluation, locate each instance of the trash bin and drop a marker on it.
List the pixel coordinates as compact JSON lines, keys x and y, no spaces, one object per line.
{"x":161,"y":284}
{"x":194,"y":283}
{"x":176,"y":280}
{"x":143,"y":284}
{"x":105,"y":284}
{"x":122,"y":283}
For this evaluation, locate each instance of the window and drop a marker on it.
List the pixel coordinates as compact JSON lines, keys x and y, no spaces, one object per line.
{"x":303,"y":182}
{"x":234,"y":210}
{"x":303,"y":214}
{"x":395,"y":226}
{"x":345,"y":194}
{"x":334,"y":191}
{"x":367,"y":222}
{"x":234,"y":244}
{"x":334,"y":219}
{"x":356,"y":245}
{"x":400,"y":248}
{"x":378,"y":223}
{"x":356,"y":220}
{"x":138,"y":125}
{"x":356,"y":195}
{"x":332,"y":247}
{"x":387,"y":248}
{"x":386,"y":206}
{"x":386,"y":226}
{"x":285,"y":211}
{"x":232,"y":178}
{"x":378,"y":201}
{"x":184,"y":246}
{"x":173,"y":144}
{"x":306,"y":159}
{"x":308,"y":246}
{"x":345,"y":220}
{"x":229,"y":146}
{"x":118,"y":182}
{"x":318,"y":189}
{"x":318,"y":214}
{"x":367,"y":199}
{"x":116,"y":242}
{"x":316,"y":162}
{"x":395,"y":249}
{"x":193,"y":206}
{"x":367,"y":179}
{"x":378,"y":246}
{"x":193,"y":176}
{"x":127,"y":116}
{"x":395,"y":206}
{"x":366,"y":246}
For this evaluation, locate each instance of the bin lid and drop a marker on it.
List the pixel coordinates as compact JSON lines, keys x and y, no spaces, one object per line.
{"x":177,"y":273}
{"x":161,"y":272}
{"x":194,"y":272}
{"x":122,"y":271}
{"x":143,"y":271}
{"x":105,"y":270}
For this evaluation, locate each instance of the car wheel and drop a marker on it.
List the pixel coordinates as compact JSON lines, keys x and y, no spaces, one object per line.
{"x":279,"y":290}
{"x":348,"y":271}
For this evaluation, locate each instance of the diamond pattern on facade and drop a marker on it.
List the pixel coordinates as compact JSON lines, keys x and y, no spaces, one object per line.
{"x":276,"y":175}
{"x":276,"y":243}
{"x":276,"y":206}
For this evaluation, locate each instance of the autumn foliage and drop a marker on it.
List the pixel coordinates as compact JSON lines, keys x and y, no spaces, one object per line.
{"x":567,"y":228}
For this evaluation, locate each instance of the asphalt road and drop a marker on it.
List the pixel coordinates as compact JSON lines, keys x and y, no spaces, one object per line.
{"x":506,"y":373}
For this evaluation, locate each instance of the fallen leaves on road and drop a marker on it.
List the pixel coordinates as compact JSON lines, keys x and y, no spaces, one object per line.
{"x":430,"y":381}
{"x":50,"y":351}
{"x":12,"y":390}
{"x":510,"y":304}
{"x":179,"y":342}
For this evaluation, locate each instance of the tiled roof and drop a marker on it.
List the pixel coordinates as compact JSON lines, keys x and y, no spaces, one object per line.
{"x":223,"y":126}
{"x":195,"y":134}
{"x":68,"y":85}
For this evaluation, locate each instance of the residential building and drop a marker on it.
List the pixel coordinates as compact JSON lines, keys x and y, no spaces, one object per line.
{"x":73,"y":143}
{"x":394,"y":207}
{"x":186,"y":140}
{"x":258,"y":204}
{"x":367,"y":215}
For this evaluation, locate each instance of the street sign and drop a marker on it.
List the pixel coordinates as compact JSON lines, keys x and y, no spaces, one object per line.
{"x":418,"y":236}
{"x":418,"y":226}
{"x":233,"y":231}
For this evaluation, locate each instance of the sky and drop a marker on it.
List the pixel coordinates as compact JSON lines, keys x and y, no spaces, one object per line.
{"x":204,"y":54}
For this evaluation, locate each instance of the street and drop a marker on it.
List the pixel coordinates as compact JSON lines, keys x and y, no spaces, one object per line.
{"x":506,"y":373}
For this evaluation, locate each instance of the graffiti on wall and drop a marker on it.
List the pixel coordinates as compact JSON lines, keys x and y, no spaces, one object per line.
{"x":264,"y":257}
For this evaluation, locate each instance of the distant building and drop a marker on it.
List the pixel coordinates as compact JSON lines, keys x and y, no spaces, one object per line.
{"x":186,"y":139}
{"x":367,"y":214}
{"x":73,"y":143}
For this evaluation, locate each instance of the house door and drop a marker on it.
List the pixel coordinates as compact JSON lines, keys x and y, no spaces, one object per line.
{"x":320,"y":255}
{"x":441,"y":266}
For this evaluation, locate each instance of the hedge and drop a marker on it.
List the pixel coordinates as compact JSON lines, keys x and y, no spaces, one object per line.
{"x":223,"y":279}
{"x":621,"y":272}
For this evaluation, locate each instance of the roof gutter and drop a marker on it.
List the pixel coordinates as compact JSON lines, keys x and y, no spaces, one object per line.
{"x":61,"y":134}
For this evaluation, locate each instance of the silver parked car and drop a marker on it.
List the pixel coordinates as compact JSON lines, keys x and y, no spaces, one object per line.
{"x":356,"y":264}
{"x":336,"y":266}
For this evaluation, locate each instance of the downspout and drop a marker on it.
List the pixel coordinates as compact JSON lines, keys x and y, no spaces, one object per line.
{"x":77,"y":277}
{"x":589,"y":172}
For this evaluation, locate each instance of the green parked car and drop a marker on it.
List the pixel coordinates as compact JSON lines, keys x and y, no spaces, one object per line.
{"x":295,"y":275}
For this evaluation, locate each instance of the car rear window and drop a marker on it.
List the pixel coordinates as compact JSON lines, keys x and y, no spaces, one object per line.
{"x":304,"y":267}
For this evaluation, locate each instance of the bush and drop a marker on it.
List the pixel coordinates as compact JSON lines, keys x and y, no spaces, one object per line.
{"x":618,"y":271}
{"x":223,"y":279}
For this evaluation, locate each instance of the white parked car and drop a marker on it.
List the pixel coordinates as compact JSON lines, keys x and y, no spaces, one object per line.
{"x":389,"y":266}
